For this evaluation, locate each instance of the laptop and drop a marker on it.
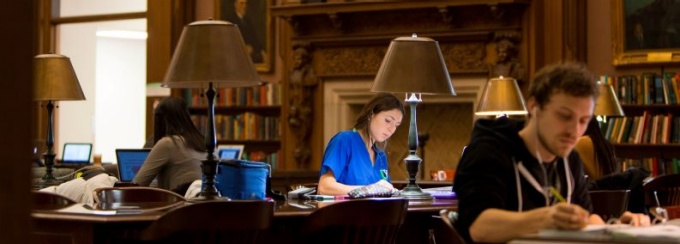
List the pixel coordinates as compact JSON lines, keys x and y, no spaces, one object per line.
{"x":129,"y":162}
{"x":227,"y":152}
{"x":76,"y":153}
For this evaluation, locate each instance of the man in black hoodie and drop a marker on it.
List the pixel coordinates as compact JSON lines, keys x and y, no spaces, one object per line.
{"x":507,"y":179}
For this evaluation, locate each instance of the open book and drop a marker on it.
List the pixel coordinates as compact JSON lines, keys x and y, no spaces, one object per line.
{"x":665,"y":233}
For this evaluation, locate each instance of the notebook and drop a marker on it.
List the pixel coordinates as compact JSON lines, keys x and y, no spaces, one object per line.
{"x":129,"y":162}
{"x":76,"y":153}
{"x":226,"y":152}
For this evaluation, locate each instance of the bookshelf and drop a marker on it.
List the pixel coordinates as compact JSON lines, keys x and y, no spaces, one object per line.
{"x":649,"y":135}
{"x":248,"y":116}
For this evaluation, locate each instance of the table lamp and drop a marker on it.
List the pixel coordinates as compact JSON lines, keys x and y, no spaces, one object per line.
{"x":607,"y":104}
{"x":210,"y":54}
{"x":53,"y":80}
{"x":501,"y":97}
{"x":413,"y":66}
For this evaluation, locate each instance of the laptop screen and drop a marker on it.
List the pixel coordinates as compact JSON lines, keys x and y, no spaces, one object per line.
{"x":226,"y":152}
{"x":76,"y":153}
{"x":129,"y":162}
{"x":229,"y":153}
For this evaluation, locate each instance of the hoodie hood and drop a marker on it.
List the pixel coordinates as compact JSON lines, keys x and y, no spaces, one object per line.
{"x":501,"y":131}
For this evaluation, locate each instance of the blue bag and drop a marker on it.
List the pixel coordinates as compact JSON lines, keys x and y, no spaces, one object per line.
{"x":242,"y":179}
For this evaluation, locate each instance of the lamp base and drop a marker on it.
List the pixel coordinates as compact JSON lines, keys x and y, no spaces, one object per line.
{"x":412,"y":191}
{"x":200,"y":198}
{"x":209,"y":191}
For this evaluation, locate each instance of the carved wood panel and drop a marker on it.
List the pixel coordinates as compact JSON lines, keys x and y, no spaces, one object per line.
{"x":350,"y":40}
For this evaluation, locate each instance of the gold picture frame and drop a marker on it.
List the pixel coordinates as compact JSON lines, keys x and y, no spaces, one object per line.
{"x":634,"y":38}
{"x":254,"y":21}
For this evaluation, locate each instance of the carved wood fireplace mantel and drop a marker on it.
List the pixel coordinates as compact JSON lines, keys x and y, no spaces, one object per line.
{"x":345,"y":44}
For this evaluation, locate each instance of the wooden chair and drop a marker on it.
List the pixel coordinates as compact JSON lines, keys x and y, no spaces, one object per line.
{"x":609,"y":203}
{"x":667,"y":188}
{"x":356,"y":221}
{"x":50,"y":201}
{"x":444,"y":232}
{"x":145,"y":198}
{"x":213,"y":222}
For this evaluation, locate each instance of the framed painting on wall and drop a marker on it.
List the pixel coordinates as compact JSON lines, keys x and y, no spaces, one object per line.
{"x":645,"y":32}
{"x":254,"y":21}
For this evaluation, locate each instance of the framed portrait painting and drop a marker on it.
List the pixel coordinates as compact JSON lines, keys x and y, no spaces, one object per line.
{"x":645,"y":32}
{"x":254,"y":22}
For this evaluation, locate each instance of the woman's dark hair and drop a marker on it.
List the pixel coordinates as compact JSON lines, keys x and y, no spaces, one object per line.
{"x":603,"y":149}
{"x":379,"y":103}
{"x":171,"y":118}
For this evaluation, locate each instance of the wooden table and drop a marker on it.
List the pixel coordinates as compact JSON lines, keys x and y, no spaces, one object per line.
{"x":90,"y":227}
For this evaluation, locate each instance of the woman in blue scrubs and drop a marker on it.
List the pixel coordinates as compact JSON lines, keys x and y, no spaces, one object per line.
{"x":355,"y":158}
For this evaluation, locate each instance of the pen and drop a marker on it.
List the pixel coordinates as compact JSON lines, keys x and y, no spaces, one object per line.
{"x":557,"y":194}
{"x":323,"y":197}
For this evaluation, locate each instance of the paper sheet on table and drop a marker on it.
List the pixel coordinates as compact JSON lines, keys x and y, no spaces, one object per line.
{"x":661,"y":233}
{"x":81,"y":209}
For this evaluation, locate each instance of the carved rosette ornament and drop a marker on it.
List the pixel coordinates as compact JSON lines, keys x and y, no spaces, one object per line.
{"x":301,"y":86}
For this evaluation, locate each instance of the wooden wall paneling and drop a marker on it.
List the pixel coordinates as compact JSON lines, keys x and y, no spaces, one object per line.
{"x":165,"y":22}
{"x":556,"y":32}
{"x":44,"y":44}
{"x":17,"y":125}
{"x":350,"y":39}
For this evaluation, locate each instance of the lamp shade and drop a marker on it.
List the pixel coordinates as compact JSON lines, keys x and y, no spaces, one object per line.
{"x":413,"y":65}
{"x":607,"y":104}
{"x":210,"y":51}
{"x":54,"y":79}
{"x":501,"y":97}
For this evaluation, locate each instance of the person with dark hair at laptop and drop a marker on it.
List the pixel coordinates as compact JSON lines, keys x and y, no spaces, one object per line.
{"x":175,"y":159}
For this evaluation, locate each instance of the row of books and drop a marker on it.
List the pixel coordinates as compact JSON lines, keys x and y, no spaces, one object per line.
{"x":648,"y":88}
{"x":645,"y":129}
{"x":264,"y":95}
{"x":260,"y":156}
{"x":656,"y":166}
{"x":245,"y":126}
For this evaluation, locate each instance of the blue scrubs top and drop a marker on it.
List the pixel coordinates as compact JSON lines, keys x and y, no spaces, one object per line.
{"x":347,"y":157}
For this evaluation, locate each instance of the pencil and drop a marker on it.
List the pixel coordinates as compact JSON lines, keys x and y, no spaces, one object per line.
{"x":557,"y":194}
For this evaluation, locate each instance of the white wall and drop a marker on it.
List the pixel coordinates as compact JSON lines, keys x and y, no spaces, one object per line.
{"x":120,"y":95}
{"x":112,"y":74}
{"x":92,"y":7}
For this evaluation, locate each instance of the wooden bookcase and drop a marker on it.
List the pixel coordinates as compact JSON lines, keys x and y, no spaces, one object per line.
{"x":244,"y":116}
{"x":647,"y":114}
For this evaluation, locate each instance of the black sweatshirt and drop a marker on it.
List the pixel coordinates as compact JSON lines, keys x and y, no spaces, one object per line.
{"x":486,"y":177}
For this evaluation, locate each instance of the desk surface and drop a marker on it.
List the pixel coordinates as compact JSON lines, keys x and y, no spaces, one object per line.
{"x":85,"y":225}
{"x":293,"y":208}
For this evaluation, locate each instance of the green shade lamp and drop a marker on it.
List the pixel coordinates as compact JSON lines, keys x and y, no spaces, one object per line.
{"x":501,"y":97}
{"x":413,"y":66}
{"x":53,"y":80}
{"x":210,"y":54}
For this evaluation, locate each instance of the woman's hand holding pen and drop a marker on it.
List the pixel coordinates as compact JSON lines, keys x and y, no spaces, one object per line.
{"x":567,"y":216}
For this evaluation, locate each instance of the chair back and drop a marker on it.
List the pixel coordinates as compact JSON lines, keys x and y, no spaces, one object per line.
{"x":50,"y":201}
{"x":213,"y":222}
{"x":356,"y":221}
{"x":444,"y":232}
{"x":667,"y":188}
{"x":147,"y":198}
{"x":609,"y":203}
